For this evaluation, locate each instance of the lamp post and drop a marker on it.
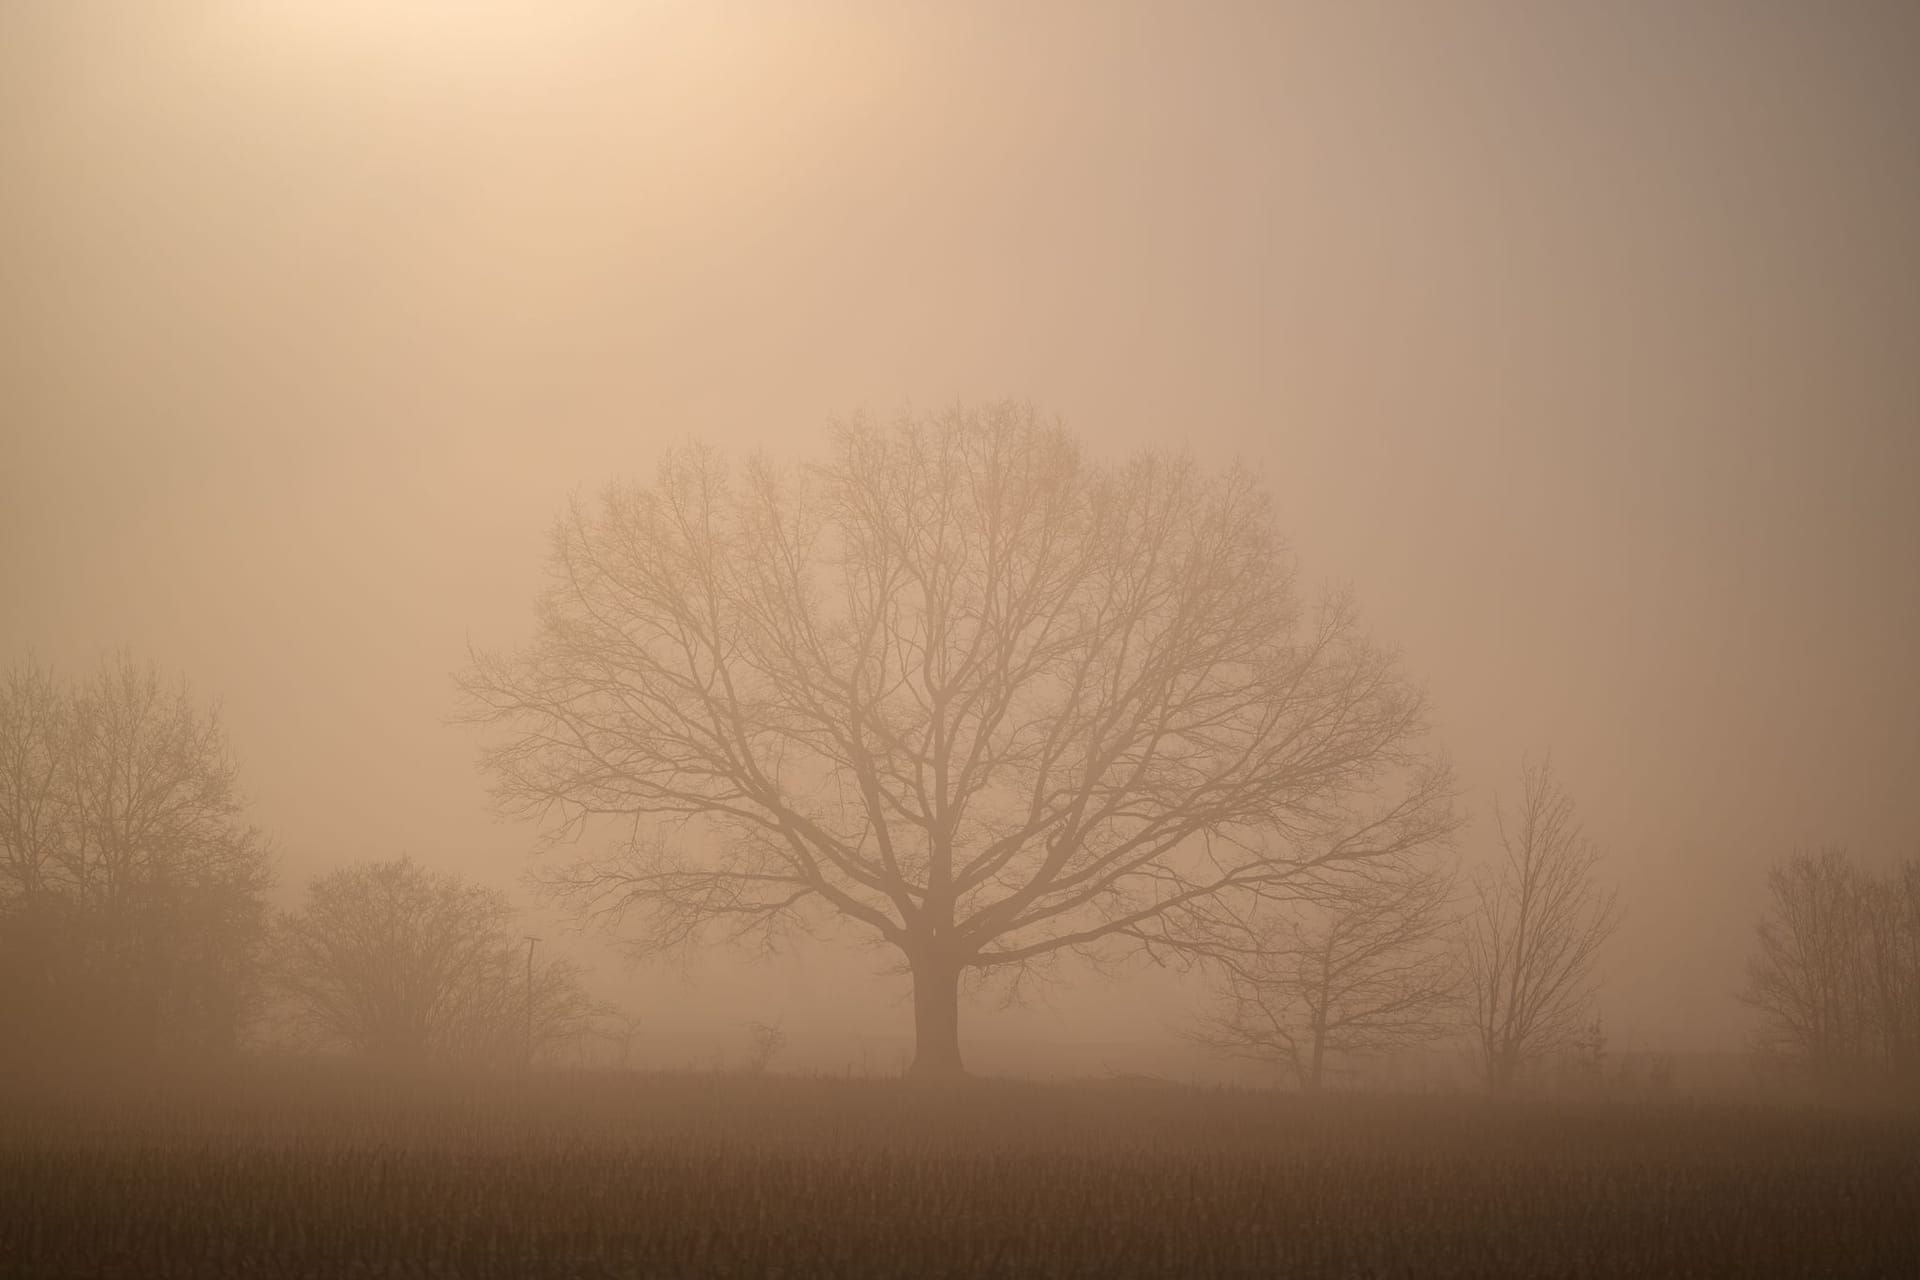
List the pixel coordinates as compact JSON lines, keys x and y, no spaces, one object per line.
{"x":531,"y":941}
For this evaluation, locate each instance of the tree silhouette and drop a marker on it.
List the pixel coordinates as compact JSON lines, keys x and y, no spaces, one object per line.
{"x":1362,"y":972}
{"x":130,"y":890}
{"x":1536,"y":928}
{"x":1836,"y":976}
{"x":958,"y":687}
{"x":403,"y":964}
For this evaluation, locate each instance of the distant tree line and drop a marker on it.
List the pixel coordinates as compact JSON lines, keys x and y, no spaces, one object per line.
{"x":955,"y":688}
{"x":134,"y":922}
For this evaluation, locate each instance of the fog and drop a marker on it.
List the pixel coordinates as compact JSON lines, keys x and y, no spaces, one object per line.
{"x":1577,"y":339}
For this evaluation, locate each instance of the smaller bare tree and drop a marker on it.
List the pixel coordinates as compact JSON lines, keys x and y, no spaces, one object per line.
{"x":1535,"y":929}
{"x":1588,"y":1067}
{"x":1836,"y":978}
{"x":1362,"y":971}
{"x":622,"y":1029}
{"x":765,"y":1041}
{"x":401,"y":963}
{"x":1892,"y":945}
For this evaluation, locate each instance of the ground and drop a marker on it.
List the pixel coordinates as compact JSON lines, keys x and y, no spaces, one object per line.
{"x":311,"y":1172}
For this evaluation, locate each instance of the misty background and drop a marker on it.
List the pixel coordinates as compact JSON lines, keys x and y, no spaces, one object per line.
{"x":1580,"y":340}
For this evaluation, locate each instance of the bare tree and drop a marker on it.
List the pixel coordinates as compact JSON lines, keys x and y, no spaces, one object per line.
{"x":37,"y":816}
{"x":958,"y":688}
{"x":400,"y":963}
{"x":1836,"y":976}
{"x":1537,"y":925}
{"x":130,"y":888}
{"x":765,"y":1042}
{"x":1360,"y":973}
{"x":1892,"y":942}
{"x":622,"y":1028}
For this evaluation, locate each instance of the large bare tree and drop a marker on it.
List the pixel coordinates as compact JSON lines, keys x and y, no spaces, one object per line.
{"x":399,"y":963}
{"x":130,"y":888}
{"x":959,"y":687}
{"x":1362,"y":971}
{"x":1538,"y":921}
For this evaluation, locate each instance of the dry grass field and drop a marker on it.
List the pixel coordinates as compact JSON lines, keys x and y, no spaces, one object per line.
{"x":334,"y":1173}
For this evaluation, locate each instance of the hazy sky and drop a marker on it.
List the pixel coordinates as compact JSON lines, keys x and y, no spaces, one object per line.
{"x":1583,"y":340}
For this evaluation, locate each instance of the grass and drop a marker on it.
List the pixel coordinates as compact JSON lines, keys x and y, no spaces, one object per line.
{"x":333,"y":1173}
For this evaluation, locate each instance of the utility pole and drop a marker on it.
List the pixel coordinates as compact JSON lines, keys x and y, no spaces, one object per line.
{"x":531,"y":940}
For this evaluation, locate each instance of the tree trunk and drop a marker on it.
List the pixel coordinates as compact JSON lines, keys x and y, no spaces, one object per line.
{"x":936,"y":1019}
